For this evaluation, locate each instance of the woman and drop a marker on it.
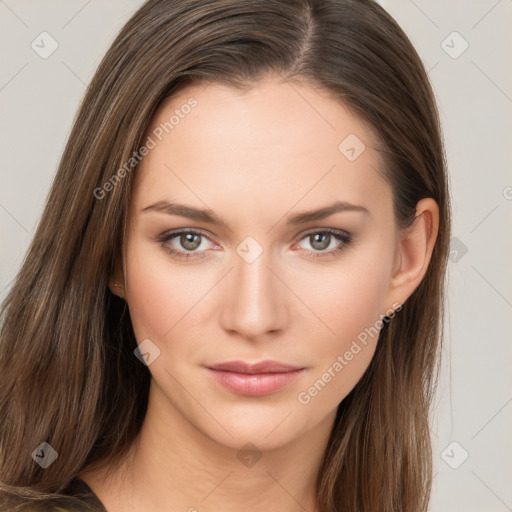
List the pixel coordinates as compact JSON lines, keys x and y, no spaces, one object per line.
{"x":234,"y":297}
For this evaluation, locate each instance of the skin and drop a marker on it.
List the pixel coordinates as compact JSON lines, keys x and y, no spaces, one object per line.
{"x":254,"y":159}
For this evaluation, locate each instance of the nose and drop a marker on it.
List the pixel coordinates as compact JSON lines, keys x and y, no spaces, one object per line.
{"x":255,"y":308}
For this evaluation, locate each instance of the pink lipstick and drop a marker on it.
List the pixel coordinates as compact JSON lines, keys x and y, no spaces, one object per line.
{"x":256,"y":379}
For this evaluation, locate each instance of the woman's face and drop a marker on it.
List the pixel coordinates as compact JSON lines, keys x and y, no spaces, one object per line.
{"x":264,"y":281}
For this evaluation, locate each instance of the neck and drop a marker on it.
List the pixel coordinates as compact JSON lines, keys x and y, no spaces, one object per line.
{"x":173,"y":466}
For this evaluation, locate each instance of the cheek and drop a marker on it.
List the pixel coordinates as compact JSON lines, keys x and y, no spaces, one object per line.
{"x":167,"y":300}
{"x":158,"y":294}
{"x":350,"y":302}
{"x":344,"y":299}
{"x":350,"y":298}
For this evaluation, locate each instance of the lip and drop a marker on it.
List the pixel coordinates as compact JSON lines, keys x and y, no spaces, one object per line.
{"x":266,"y":366}
{"x":254,"y":379}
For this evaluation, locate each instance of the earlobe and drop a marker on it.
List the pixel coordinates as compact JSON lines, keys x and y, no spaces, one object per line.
{"x":116,"y":282}
{"x":116,"y":288}
{"x":415,"y":247}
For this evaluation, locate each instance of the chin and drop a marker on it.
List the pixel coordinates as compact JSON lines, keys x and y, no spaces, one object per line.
{"x":266,"y":426}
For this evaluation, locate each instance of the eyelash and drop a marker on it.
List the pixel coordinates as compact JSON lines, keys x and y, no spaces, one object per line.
{"x":341,"y":236}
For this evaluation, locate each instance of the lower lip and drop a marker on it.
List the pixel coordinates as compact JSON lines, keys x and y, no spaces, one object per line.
{"x":256,"y":384}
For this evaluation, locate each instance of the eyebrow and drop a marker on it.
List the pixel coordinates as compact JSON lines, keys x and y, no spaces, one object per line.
{"x":208,"y":216}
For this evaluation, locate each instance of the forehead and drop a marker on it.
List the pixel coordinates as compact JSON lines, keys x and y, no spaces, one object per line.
{"x":271,"y":107}
{"x":277,"y":138}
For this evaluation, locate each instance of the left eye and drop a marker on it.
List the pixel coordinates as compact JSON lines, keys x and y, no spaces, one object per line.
{"x":320,"y":240}
{"x":191,"y":241}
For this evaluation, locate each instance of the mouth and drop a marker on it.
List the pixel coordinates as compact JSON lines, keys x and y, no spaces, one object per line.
{"x":254,"y":379}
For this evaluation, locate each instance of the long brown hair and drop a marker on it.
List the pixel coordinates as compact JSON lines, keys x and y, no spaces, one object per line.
{"x":69,"y":375}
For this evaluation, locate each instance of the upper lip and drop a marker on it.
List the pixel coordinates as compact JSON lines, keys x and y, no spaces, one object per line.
{"x":266,"y":366}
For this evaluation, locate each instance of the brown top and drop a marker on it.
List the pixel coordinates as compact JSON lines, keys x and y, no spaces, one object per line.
{"x":79,"y":497}
{"x":79,"y":489}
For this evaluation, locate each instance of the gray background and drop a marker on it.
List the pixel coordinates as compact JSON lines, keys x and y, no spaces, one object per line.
{"x":472,"y":451}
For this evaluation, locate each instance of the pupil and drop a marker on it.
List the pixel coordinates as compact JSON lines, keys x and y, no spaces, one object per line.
{"x":187,"y":241}
{"x":316,"y":240}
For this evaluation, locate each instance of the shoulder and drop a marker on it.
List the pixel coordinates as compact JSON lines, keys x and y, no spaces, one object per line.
{"x":76,"y":497}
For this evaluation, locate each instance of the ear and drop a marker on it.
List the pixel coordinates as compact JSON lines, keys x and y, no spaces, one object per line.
{"x":116,"y":281}
{"x":414,"y":251}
